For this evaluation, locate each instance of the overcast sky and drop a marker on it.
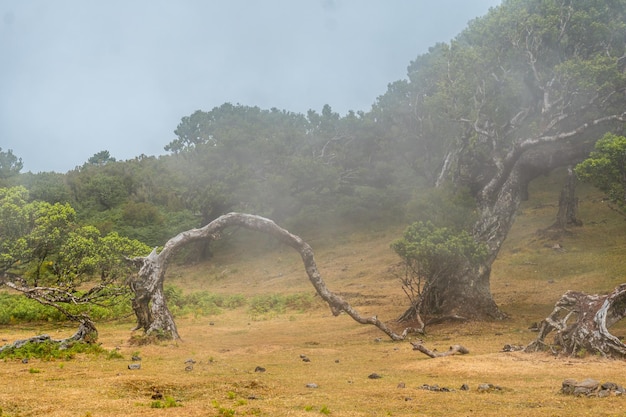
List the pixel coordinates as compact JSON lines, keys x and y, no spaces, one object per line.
{"x":78,"y":77}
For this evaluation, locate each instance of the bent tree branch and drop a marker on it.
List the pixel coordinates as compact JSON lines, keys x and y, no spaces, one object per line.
{"x":149,"y":303}
{"x":55,"y":297}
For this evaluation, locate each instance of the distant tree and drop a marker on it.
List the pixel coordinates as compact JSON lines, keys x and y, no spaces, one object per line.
{"x":525,"y":89}
{"x":606,"y":169}
{"x":10,"y":165}
{"x":100,"y":158}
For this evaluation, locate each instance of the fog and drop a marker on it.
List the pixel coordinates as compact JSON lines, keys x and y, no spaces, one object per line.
{"x":79,"y":77}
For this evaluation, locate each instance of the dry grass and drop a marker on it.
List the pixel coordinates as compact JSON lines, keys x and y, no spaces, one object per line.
{"x":527,"y":279}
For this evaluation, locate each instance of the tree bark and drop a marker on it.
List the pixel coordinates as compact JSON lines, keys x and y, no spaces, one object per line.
{"x":581,"y":324}
{"x":568,"y":204}
{"x":149,"y":304}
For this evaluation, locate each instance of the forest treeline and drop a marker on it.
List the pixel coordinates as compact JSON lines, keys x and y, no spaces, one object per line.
{"x":461,"y":103}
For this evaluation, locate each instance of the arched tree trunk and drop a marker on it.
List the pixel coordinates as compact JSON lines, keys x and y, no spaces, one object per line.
{"x":149,"y":304}
{"x":581,"y":324}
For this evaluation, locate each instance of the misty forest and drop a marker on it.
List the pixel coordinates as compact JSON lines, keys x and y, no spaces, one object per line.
{"x":445,"y":158}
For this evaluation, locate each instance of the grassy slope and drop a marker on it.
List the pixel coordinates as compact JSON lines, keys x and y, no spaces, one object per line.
{"x":526,"y":281}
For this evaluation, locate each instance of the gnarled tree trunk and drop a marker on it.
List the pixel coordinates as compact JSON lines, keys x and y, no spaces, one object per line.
{"x":150,"y":305}
{"x":581,"y":323}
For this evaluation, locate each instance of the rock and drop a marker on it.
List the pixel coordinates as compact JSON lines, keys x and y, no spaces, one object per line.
{"x":259,"y":369}
{"x":464,"y":387}
{"x":190,"y":361}
{"x":611,"y":386}
{"x":135,"y":358}
{"x":312,"y":385}
{"x":134,"y":366}
{"x":401,"y":385}
{"x":512,"y":348}
{"x":590,"y":388}
{"x":488,"y":388}
{"x":188,"y":368}
{"x":374,"y":376}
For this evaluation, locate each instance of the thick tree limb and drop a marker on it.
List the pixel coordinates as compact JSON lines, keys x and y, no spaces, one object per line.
{"x":149,"y":304}
{"x":454,"y":350}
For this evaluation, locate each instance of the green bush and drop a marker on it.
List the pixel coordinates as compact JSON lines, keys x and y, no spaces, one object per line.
{"x":16,"y":308}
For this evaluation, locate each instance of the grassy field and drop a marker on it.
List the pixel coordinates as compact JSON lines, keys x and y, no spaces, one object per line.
{"x":227,"y":347}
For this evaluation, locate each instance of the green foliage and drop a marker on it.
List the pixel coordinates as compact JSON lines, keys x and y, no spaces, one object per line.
{"x":167,"y":402}
{"x":100,"y":158}
{"x":261,"y":305}
{"x":434,"y":251}
{"x":19,"y":309}
{"x":49,"y":350}
{"x":202,"y":303}
{"x":10,"y":165}
{"x":606,"y":168}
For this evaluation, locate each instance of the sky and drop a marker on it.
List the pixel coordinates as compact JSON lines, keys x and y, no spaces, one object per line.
{"x":78,"y":77}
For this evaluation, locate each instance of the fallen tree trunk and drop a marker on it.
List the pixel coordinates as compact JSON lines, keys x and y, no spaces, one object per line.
{"x":86,"y":333}
{"x":149,"y":304}
{"x":581,"y":322}
{"x":454,"y":350}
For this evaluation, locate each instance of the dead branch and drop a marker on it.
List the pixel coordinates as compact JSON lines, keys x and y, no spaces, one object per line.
{"x":454,"y":350}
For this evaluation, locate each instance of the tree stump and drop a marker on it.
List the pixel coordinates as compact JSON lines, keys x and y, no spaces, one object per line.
{"x":581,"y":322}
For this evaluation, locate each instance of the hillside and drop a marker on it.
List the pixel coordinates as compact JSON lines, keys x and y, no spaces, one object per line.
{"x":228,"y":346}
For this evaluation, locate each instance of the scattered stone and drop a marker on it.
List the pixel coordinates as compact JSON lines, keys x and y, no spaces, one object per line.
{"x":25,"y":360}
{"x":401,"y":385}
{"x":374,"y":376}
{"x":259,"y":369}
{"x":305,"y":358}
{"x":253,"y":397}
{"x":464,"y":387}
{"x":134,"y":366}
{"x":157,"y":395}
{"x":312,"y":385}
{"x":378,"y":339}
{"x":188,"y":368}
{"x":590,"y":388}
{"x":512,"y":348}
{"x":211,"y":323}
{"x":336,"y":360}
{"x":436,"y":388}
{"x":135,"y":358}
{"x":408,"y":399}
{"x":190,"y":361}
{"x":488,"y":388}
